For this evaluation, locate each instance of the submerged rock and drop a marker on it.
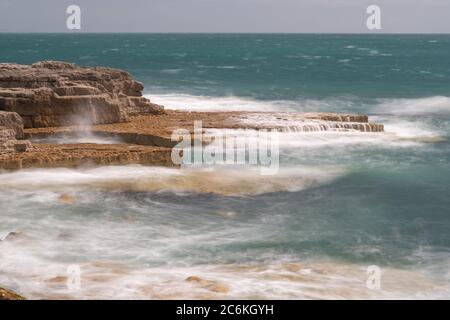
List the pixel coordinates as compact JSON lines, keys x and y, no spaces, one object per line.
{"x":67,"y":199}
{"x":9,"y":295}
{"x":12,"y":235}
{"x":210,"y":285}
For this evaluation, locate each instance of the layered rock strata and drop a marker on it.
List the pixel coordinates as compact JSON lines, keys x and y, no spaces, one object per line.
{"x":85,"y":155}
{"x":52,"y":93}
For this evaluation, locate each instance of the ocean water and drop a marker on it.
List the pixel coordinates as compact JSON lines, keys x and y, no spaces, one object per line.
{"x":341,"y":202}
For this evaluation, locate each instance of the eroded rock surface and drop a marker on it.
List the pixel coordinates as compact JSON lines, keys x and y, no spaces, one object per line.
{"x":11,"y":129}
{"x":85,"y":155}
{"x":52,"y":93}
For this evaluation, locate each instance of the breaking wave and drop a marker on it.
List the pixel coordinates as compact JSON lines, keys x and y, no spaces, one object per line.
{"x":420,"y":106}
{"x":234,"y":103}
{"x":395,"y":114}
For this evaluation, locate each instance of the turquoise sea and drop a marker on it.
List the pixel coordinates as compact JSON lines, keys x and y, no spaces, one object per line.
{"x":341,"y":202}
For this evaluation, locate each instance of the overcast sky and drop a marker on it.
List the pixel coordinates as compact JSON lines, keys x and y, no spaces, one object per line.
{"x":336,"y":16}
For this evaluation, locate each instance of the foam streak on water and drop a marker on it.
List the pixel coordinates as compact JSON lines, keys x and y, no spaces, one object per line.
{"x":244,"y":181}
{"x":132,"y":237}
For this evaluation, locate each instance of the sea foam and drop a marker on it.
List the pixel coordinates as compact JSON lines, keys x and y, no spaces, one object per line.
{"x":419,"y":106}
{"x":240,"y":181}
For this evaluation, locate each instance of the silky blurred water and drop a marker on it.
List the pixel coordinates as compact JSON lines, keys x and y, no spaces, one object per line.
{"x":342,"y":200}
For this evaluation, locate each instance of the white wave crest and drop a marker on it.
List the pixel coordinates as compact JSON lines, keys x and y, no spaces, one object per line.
{"x":206,"y":103}
{"x":400,"y":106}
{"x":420,"y":106}
{"x":234,"y":103}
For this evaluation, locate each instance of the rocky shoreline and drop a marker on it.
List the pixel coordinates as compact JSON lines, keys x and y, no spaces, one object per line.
{"x":52,"y":101}
{"x":59,"y":100}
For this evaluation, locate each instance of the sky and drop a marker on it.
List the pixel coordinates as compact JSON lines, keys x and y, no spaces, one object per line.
{"x":211,"y":16}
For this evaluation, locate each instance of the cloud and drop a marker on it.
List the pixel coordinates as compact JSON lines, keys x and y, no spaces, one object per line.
{"x":225,"y":15}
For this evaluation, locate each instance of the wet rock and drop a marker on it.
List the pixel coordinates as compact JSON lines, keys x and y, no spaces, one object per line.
{"x":292,"y":267}
{"x":9,"y":295}
{"x":85,"y":155}
{"x":213,"y":286}
{"x":12,"y":235}
{"x":67,"y":199}
{"x":57,"y":282}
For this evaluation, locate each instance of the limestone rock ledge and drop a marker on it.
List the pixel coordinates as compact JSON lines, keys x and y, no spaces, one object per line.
{"x":53,"y":93}
{"x":156,"y":130}
{"x":85,"y":155}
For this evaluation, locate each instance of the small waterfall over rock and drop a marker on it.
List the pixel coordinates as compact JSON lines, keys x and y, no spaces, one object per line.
{"x":332,"y":126}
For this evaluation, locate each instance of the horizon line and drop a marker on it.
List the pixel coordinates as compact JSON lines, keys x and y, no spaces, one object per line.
{"x":237,"y":33}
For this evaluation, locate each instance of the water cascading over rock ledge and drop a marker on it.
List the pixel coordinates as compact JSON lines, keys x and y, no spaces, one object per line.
{"x":52,"y":99}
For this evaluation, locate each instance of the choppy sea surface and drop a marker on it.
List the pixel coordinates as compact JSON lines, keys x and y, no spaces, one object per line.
{"x":341,"y":201}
